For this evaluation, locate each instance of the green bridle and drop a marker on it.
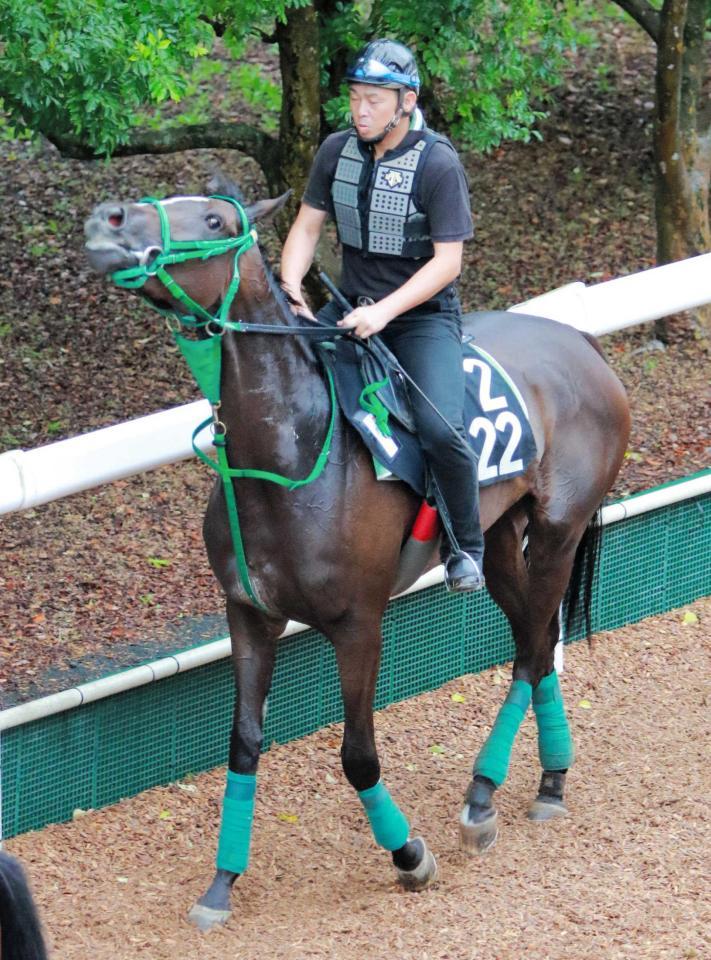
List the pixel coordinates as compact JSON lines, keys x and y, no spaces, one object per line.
{"x":204,"y":356}
{"x":180,"y":251}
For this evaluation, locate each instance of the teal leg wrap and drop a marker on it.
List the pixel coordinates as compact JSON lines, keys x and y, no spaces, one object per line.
{"x":494,"y":756}
{"x":555,"y":744}
{"x":388,"y":822}
{"x":237,"y":816}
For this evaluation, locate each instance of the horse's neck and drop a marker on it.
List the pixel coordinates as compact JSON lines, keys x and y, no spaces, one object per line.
{"x":274,"y":400}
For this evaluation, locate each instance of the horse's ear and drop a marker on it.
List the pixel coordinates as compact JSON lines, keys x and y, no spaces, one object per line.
{"x":266,"y":209}
{"x":222,"y":185}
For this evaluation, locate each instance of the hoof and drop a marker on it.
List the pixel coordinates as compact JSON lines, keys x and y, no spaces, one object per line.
{"x":421,"y":876}
{"x":477,"y":837}
{"x":547,"y":808}
{"x":205,"y":918}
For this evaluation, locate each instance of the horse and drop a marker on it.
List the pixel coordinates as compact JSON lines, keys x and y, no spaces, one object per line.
{"x":20,"y":933}
{"x":324,"y":549}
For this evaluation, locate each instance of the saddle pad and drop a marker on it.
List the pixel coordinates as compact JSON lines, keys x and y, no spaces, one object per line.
{"x":495,"y":415}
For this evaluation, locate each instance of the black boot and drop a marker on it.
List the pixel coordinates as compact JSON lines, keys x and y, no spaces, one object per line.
{"x":463,"y":572}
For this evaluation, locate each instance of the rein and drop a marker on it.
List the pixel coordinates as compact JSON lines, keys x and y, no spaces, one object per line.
{"x":204,"y":356}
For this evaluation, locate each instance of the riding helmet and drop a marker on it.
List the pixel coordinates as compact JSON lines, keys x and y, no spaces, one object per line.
{"x":385,"y":63}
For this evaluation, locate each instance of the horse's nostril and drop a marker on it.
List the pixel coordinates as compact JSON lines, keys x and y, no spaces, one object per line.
{"x":115,"y":217}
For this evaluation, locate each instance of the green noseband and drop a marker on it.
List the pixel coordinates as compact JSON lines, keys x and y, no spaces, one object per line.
{"x":179,"y":251}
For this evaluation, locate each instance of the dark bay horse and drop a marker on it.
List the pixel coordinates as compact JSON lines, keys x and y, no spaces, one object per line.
{"x":20,"y":932}
{"x":326,"y":553}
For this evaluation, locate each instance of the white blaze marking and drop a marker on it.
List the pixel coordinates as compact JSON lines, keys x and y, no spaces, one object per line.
{"x":179,"y":199}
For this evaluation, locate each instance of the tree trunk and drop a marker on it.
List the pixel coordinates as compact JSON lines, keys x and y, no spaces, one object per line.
{"x":299,"y":126}
{"x":300,"y":123}
{"x":682,"y":141}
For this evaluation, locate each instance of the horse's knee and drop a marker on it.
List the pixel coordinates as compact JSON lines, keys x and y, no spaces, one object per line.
{"x":246,"y":747}
{"x":360,"y":764}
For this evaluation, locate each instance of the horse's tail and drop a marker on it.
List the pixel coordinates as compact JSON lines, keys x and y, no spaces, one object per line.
{"x":578,"y":596}
{"x":20,"y":933}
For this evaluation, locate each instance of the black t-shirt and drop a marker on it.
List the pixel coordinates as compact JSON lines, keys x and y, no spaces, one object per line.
{"x":442,"y":193}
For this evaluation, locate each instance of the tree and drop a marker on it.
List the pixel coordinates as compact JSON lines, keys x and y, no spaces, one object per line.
{"x":682,"y":135}
{"x":77,"y":71}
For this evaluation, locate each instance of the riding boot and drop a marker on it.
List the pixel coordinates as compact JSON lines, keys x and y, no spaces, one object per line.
{"x":462,"y":548}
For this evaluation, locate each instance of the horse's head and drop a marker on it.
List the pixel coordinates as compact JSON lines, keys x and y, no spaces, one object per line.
{"x":189,"y":240}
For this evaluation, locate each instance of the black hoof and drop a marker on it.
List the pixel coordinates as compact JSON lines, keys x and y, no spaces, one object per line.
{"x":213,"y":908}
{"x":549,"y":805}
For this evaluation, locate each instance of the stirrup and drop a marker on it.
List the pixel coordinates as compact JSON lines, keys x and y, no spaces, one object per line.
{"x":463,"y":573}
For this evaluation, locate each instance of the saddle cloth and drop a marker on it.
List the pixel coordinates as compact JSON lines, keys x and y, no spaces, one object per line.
{"x":495,"y":414}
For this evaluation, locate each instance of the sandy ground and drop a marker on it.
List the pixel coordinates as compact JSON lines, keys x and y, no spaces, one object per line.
{"x":626,"y":875}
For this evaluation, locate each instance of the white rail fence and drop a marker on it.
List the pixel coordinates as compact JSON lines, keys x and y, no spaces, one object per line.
{"x":30,"y":478}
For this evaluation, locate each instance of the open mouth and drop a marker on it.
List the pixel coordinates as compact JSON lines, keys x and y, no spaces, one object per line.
{"x":107,"y":255}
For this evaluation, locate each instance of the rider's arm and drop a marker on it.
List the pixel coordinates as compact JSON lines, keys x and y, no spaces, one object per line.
{"x":444,"y":267}
{"x":298,"y":252}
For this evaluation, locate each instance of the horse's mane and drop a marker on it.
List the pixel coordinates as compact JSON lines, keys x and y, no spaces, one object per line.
{"x":285,"y":300}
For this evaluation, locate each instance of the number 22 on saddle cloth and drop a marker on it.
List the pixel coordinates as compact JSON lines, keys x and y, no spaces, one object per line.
{"x":495,"y":414}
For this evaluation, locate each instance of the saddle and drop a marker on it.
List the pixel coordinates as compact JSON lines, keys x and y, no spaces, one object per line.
{"x":382,"y":376}
{"x":374,"y":397}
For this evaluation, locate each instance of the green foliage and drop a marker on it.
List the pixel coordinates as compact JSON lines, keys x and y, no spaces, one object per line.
{"x":91,"y":69}
{"x":241,"y":19}
{"x":259,"y":91}
{"x":82,"y":67}
{"x":489,"y":64}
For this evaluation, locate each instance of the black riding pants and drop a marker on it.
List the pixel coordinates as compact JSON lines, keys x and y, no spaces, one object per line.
{"x":429,"y":347}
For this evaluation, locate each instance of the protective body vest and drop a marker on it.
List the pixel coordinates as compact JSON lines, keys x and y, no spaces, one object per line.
{"x":375,"y":203}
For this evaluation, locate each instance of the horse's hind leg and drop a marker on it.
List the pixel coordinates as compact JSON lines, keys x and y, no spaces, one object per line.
{"x":358,"y":655}
{"x":552,"y":555}
{"x":253,"y":653}
{"x":530,"y":596}
{"x":507,"y":582}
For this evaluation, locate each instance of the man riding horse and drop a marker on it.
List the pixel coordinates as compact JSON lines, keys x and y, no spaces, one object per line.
{"x":399,"y":196}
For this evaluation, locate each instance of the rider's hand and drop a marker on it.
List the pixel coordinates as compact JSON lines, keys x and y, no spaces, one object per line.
{"x":297,"y":304}
{"x":365,"y":321}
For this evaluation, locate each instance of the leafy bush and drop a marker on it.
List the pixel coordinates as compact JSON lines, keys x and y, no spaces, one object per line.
{"x":80,"y":68}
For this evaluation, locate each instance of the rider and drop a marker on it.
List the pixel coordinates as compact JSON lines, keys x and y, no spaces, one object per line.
{"x":399,"y":196}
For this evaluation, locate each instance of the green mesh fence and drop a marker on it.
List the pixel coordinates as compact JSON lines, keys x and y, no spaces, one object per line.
{"x":94,"y":755}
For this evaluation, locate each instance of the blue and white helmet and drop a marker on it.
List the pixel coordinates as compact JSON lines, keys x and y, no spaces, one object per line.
{"x":385,"y":63}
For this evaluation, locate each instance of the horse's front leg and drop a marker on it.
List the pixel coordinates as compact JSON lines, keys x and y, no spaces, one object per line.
{"x":253,"y":651}
{"x":358,"y":655}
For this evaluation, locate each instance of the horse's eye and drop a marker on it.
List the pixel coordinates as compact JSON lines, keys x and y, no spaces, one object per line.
{"x":213,"y":221}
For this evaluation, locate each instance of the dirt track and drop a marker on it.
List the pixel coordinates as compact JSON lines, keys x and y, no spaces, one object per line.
{"x":625,"y":876}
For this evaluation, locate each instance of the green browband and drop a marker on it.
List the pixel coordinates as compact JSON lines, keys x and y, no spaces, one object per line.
{"x":555,"y":744}
{"x":204,"y":356}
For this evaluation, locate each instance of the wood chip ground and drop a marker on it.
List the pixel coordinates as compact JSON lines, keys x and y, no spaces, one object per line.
{"x":625,"y":876}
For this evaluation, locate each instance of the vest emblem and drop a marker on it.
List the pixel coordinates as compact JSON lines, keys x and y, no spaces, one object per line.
{"x":393,"y":178}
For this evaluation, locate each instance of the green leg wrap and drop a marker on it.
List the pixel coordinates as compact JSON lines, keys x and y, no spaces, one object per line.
{"x":236,"y":828}
{"x":388,"y":822}
{"x":555,"y":745}
{"x":494,"y":756}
